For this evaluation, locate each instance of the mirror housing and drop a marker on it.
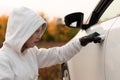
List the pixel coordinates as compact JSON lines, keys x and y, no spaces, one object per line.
{"x":74,"y":17}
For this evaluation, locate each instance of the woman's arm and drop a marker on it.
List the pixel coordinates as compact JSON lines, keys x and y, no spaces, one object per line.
{"x":58,"y":55}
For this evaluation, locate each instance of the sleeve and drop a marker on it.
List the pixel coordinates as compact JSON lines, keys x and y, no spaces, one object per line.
{"x":58,"y":55}
{"x":5,"y":70}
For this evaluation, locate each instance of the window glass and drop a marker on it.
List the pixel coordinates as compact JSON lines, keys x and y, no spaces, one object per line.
{"x":112,"y":11}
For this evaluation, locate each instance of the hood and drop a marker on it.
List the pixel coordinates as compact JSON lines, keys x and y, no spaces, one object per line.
{"x":22,"y":23}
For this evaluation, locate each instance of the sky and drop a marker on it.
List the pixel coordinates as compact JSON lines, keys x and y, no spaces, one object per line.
{"x":51,"y":8}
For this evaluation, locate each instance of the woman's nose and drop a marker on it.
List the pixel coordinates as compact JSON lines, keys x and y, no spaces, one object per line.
{"x":38,"y":36}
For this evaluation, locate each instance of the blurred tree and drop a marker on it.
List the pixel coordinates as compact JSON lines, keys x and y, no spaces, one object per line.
{"x":65,"y":33}
{"x":3,"y":25}
{"x":50,"y":73}
{"x":57,"y":31}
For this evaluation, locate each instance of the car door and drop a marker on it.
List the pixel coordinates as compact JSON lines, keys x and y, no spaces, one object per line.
{"x":112,"y":52}
{"x":98,"y":61}
{"x":89,"y":63}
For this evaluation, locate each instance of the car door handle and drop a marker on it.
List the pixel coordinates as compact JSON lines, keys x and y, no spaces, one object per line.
{"x":99,"y":39}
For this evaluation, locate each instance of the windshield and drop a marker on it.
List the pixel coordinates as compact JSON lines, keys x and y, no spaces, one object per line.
{"x":112,"y":11}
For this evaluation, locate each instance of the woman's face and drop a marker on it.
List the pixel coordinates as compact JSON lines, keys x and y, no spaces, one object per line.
{"x":31,"y":42}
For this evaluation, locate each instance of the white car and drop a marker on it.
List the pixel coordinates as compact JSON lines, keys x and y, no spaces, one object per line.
{"x":99,"y":61}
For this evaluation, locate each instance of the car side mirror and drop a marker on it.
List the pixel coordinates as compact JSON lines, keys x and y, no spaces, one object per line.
{"x":74,"y":20}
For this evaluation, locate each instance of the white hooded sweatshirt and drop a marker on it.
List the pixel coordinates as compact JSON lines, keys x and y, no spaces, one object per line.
{"x":15,"y":65}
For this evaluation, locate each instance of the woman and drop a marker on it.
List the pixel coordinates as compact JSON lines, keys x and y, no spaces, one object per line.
{"x":20,"y":58}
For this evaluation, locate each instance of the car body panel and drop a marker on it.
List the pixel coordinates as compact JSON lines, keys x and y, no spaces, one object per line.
{"x":112,"y":52}
{"x":91,"y":63}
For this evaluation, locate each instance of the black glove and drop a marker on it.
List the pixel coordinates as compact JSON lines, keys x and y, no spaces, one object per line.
{"x":94,"y":37}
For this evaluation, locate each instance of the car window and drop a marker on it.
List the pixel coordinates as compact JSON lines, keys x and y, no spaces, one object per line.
{"x":112,"y":11}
